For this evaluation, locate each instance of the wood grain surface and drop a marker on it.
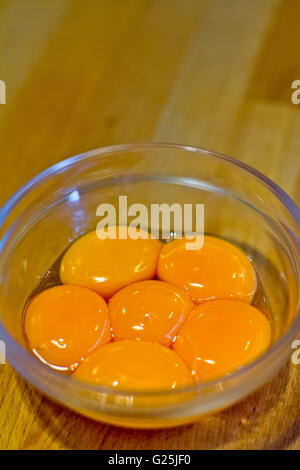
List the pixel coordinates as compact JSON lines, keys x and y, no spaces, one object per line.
{"x":210,"y":73}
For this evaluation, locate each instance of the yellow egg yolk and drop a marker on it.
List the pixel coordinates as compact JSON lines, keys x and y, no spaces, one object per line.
{"x":135,"y":365}
{"x":219,"y":270}
{"x":220,"y":336}
{"x":148,"y":310}
{"x":108,"y":264}
{"x":64,"y":324}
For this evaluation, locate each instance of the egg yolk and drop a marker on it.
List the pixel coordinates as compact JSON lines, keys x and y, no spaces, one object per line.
{"x":219,"y":270}
{"x":64,"y":324}
{"x":221,"y":335}
{"x":148,"y":310}
{"x":135,"y":365}
{"x":107,"y":265}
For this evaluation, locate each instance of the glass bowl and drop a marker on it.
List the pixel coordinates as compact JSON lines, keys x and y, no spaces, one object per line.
{"x":43,"y":217}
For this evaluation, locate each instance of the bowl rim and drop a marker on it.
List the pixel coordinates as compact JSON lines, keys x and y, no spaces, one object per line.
{"x":114,"y":149}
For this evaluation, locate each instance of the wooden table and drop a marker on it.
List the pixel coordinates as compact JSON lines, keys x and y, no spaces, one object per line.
{"x":211,"y":73}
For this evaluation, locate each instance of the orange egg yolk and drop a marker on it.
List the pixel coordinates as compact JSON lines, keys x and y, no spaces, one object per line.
{"x":135,"y":365}
{"x":221,"y":335}
{"x":64,"y":324}
{"x":108,"y":264}
{"x":148,"y":310}
{"x":219,"y":270}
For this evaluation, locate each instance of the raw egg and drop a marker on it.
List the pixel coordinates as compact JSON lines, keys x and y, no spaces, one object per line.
{"x":64,"y":324}
{"x":220,"y":336}
{"x":219,"y":270}
{"x":108,"y":264}
{"x":148,"y":310}
{"x":135,"y":365}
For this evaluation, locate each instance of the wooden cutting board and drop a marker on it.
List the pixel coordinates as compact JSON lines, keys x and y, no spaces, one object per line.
{"x":211,"y":73}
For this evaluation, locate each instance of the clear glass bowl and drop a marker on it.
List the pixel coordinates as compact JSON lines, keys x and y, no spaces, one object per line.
{"x":241,"y":205}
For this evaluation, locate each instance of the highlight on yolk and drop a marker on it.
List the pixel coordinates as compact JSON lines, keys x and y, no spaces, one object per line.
{"x":219,"y":270}
{"x":64,"y":324}
{"x":220,"y":336}
{"x":107,"y":265}
{"x":135,"y":365}
{"x":148,"y":310}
